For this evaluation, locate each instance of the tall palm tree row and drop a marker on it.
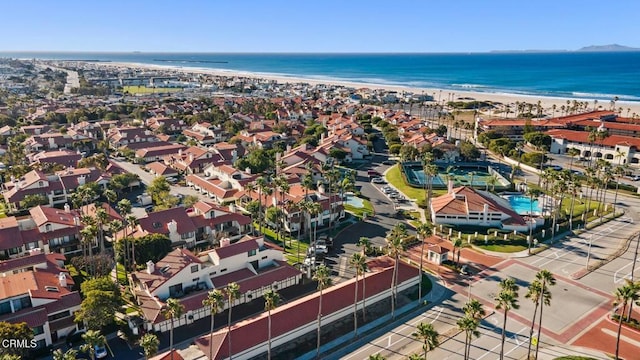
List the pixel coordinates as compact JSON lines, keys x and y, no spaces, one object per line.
{"x":271,"y":301}
{"x":172,"y":310}
{"x":215,"y":302}
{"x":395,"y":246}
{"x":506,"y":300}
{"x":323,"y":277}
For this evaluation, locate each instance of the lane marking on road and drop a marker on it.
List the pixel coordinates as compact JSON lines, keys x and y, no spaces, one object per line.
{"x":436,"y":310}
{"x":576,"y":244}
{"x":497,"y":346}
{"x":617,"y":280}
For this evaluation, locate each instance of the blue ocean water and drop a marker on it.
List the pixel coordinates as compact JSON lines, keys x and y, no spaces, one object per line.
{"x":584,"y":75}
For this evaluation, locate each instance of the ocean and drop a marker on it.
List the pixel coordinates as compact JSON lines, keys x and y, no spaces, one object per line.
{"x":582,"y":75}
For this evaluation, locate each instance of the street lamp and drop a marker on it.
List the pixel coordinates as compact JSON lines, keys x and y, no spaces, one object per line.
{"x":589,"y":252}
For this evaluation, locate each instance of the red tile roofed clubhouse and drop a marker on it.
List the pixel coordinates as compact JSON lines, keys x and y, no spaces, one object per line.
{"x":293,"y":320}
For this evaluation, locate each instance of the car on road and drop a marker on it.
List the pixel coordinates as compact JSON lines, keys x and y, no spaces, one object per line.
{"x":577,"y":172}
{"x":378,"y":180}
{"x":373,"y":173}
{"x":634,"y":177}
{"x":389,"y":162}
{"x":325,"y":241}
{"x":318,"y":250}
{"x":467,"y":269}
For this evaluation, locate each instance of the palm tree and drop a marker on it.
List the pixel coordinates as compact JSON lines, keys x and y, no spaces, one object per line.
{"x":415,"y":357}
{"x":506,"y":300}
{"x":474,"y":309}
{"x":560,"y":189}
{"x":92,"y":338}
{"x":101,"y":219}
{"x":572,"y":152}
{"x":271,"y":301}
{"x":533,"y":194}
{"x":114,"y":227}
{"x":428,"y":336}
{"x":395,"y":246}
{"x":423,"y":231}
{"x":263,"y":186}
{"x":233,"y":292}
{"x":623,"y":296}
{"x":365,"y":244}
{"x":534,"y":293}
{"x":546,"y":279}
{"x":359,"y":263}
{"x":173,"y":309}
{"x":70,"y":354}
{"x":457,"y":244}
{"x":492,"y":180}
{"x":470,"y":328}
{"x":132,"y":221}
{"x":149,"y":343}
{"x":215,"y":302}
{"x":323,"y":277}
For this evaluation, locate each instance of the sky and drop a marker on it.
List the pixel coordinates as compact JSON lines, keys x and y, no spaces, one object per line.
{"x":316,"y":26}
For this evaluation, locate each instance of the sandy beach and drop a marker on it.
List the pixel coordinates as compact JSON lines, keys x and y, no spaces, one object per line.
{"x":628,"y":107}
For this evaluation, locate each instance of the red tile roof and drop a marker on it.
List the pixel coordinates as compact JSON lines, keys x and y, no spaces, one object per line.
{"x":237,"y":248}
{"x":172,"y":264}
{"x":43,"y":214}
{"x":156,"y":222}
{"x":253,"y":331}
{"x":583,"y":137}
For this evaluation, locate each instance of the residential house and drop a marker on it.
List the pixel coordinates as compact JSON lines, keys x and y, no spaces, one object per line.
{"x":193,"y":160}
{"x":66,"y":158}
{"x":255,"y":265}
{"x":37,"y":290}
{"x":125,"y":136}
{"x":616,"y":149}
{"x":157,"y":153}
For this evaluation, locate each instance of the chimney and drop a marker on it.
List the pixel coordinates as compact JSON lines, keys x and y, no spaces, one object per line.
{"x":151,"y":267}
{"x":67,"y":209}
{"x":191,"y":157}
{"x":248,"y":170}
{"x":62,"y":279}
{"x":450,"y":186}
{"x":225,"y":242}
{"x":172,"y":226}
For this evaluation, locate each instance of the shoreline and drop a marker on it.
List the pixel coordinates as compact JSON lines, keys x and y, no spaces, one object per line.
{"x":439,"y":94}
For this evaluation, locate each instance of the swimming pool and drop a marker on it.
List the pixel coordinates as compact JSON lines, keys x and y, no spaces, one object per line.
{"x":522,"y":204}
{"x":354,"y":201}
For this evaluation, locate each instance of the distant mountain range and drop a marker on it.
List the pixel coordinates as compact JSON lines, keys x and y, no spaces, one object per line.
{"x":590,"y":48}
{"x":611,"y":47}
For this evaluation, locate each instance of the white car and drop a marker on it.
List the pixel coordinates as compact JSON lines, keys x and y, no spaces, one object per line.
{"x":378,"y":180}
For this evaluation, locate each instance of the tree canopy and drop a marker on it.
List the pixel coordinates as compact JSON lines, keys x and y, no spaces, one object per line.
{"x":101,"y":301}
{"x":20,"y":331}
{"x":149,"y":247}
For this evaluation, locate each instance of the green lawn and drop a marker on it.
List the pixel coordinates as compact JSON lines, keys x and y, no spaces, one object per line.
{"x":134,"y":90}
{"x":293,"y":247}
{"x":394,"y":177}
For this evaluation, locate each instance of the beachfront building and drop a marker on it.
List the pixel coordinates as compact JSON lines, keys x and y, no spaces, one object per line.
{"x":616,"y":149}
{"x":252,"y":263}
{"x":37,"y":289}
{"x":468,"y":206}
{"x":288,"y":332}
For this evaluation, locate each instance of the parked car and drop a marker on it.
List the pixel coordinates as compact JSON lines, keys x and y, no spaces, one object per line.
{"x":634,"y":177}
{"x":373,"y":173}
{"x":378,"y":180}
{"x":75,"y":337}
{"x":313,"y":261}
{"x":100,"y":352}
{"x":317,"y":250}
{"x":389,"y":162}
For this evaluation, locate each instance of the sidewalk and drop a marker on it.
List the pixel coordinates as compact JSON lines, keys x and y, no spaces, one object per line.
{"x":551,"y":353}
